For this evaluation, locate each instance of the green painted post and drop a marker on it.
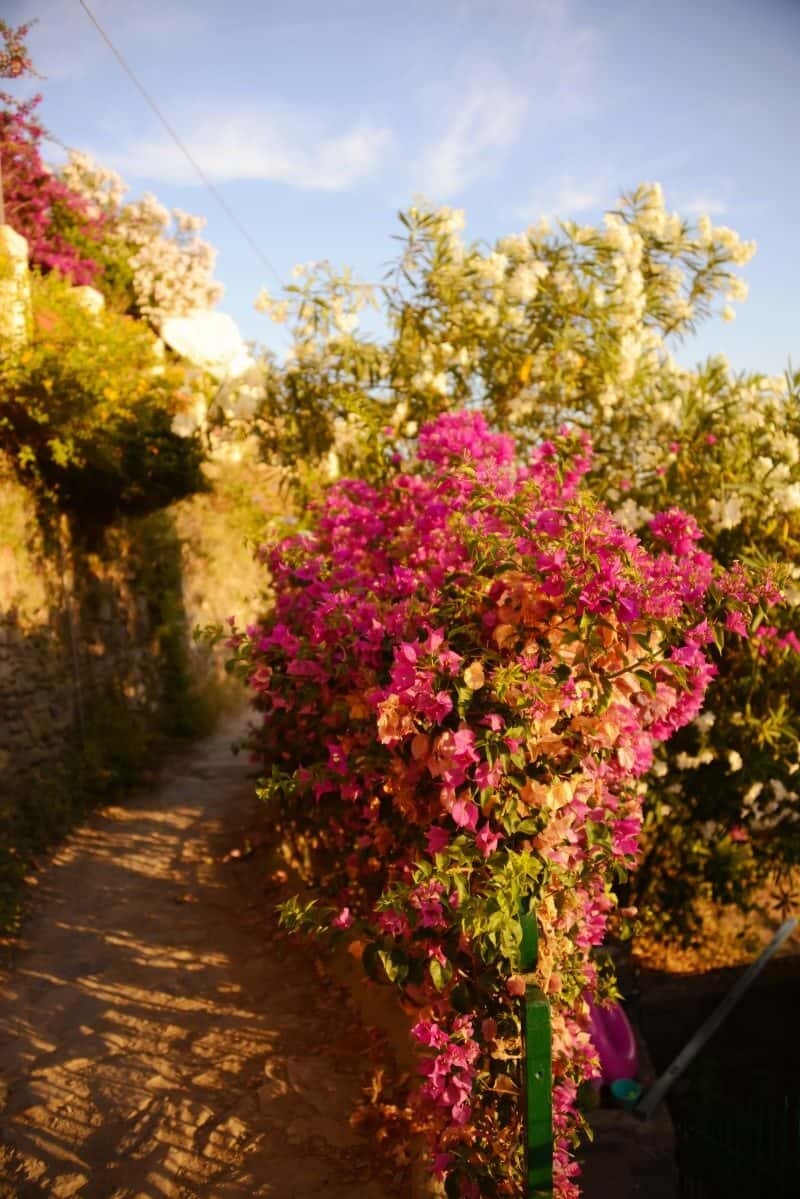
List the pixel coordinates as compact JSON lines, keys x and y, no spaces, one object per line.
{"x":538,"y":1082}
{"x":529,"y":946}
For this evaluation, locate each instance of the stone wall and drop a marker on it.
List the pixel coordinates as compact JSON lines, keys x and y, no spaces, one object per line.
{"x":37,"y":703}
{"x":85,"y":628}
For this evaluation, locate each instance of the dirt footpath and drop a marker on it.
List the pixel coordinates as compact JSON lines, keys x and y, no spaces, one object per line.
{"x":157,"y":1037}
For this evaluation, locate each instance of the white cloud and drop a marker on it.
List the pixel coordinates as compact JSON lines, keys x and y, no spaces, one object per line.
{"x":482,"y":109}
{"x":478,"y":129}
{"x":265,"y":142}
{"x":562,"y":196}
{"x":709,"y":205}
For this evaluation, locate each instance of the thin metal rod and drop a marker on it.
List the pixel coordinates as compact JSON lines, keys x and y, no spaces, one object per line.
{"x":661,"y":1086}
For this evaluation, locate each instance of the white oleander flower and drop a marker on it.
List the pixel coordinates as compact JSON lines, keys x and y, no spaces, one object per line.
{"x":789,"y":498}
{"x":725,"y":514}
{"x":451,"y":220}
{"x":631,"y":516}
{"x":524,"y":283}
{"x":652,"y":221}
{"x":493,"y":267}
{"x":346,"y":322}
{"x":734,"y":760}
{"x":516,"y":245}
{"x":737,"y":290}
{"x":705,"y":230}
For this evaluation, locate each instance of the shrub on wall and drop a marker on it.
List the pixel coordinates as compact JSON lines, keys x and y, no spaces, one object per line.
{"x":86,"y":411}
{"x":465,"y":673}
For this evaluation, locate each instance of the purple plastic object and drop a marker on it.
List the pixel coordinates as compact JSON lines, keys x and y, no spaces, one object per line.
{"x":615,"y":1043}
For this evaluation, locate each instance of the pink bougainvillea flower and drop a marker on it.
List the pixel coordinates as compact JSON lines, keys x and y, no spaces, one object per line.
{"x":487,"y":840}
{"x":437,"y":839}
{"x":734,"y":621}
{"x":465,"y":813}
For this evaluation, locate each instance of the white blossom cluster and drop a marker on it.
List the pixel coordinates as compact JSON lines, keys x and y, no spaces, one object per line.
{"x":593,"y":307}
{"x":172,"y":266}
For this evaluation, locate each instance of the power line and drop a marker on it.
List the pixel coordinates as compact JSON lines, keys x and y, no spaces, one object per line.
{"x":223,"y":203}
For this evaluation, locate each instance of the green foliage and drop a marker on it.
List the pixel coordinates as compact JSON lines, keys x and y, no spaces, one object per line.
{"x":120,"y":739}
{"x":86,"y":411}
{"x":186,"y":709}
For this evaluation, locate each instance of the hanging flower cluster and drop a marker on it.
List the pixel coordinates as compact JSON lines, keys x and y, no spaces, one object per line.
{"x":464,"y":674}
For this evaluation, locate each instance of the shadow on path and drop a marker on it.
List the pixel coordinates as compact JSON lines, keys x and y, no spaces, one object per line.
{"x":156,"y":1037}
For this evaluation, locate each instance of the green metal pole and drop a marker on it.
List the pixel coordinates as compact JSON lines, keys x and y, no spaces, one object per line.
{"x":538,"y":1072}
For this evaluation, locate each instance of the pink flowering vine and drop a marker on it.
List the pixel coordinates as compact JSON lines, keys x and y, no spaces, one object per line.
{"x":463,"y":677}
{"x":60,"y":230}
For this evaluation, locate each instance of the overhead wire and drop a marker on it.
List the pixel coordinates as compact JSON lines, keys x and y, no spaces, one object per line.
{"x":202,"y":175}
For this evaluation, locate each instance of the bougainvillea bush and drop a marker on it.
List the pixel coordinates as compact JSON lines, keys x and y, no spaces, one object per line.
{"x":464,"y":674}
{"x":62,"y":234}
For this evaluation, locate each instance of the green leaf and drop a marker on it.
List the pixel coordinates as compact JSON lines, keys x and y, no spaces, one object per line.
{"x":440,"y":974}
{"x":597,"y":833}
{"x":394,"y":963}
{"x":647,"y":681}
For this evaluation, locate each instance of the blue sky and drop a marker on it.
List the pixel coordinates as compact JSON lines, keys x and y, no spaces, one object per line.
{"x":318,"y":120}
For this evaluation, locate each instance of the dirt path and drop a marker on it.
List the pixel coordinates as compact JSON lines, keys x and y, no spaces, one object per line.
{"x":156,"y":1039}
